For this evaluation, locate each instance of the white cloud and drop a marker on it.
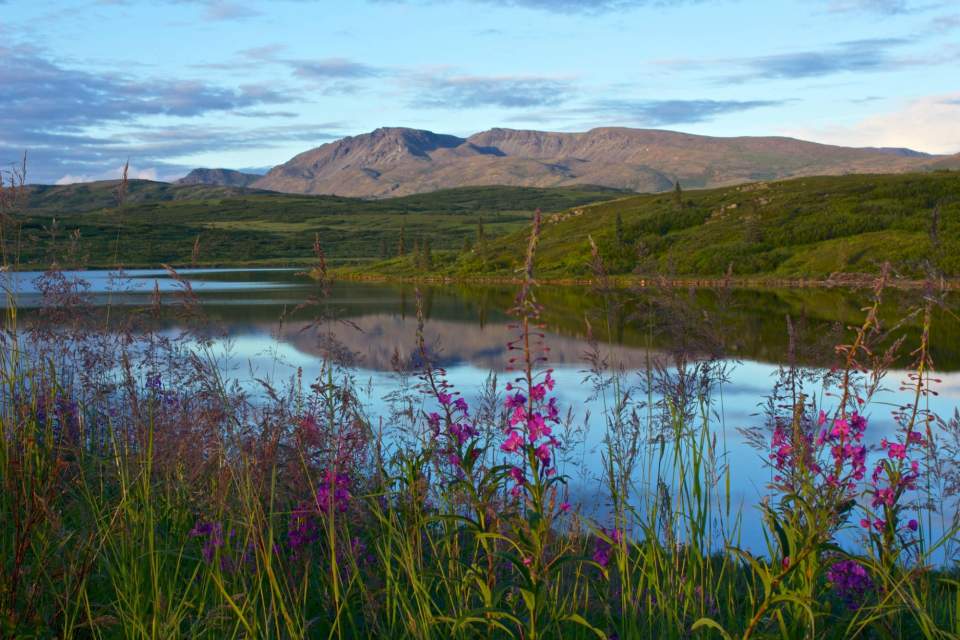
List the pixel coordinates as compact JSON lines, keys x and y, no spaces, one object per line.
{"x":72,"y":179}
{"x":925,"y":124}
{"x":149,"y":173}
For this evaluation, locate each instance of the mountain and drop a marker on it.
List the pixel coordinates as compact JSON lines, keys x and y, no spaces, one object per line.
{"x":398,"y":161}
{"x":222,"y":177}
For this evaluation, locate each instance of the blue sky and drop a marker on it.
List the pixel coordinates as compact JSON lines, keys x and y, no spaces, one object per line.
{"x":175,"y":84}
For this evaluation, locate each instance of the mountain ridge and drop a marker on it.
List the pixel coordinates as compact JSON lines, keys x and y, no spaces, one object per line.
{"x":398,"y":161}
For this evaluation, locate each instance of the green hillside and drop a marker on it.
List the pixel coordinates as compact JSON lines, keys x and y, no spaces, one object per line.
{"x":159,"y":223}
{"x":806,"y":227}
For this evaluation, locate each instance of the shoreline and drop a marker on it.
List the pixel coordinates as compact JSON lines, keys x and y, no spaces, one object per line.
{"x":840,"y":281}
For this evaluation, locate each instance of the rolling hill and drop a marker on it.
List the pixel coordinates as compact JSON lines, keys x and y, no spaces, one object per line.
{"x":160,"y":222}
{"x":222,"y":177}
{"x":798,"y":228}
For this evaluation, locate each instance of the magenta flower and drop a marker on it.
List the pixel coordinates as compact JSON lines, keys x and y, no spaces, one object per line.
{"x":850,"y":582}
{"x":513,"y":442}
{"x":543,"y":453}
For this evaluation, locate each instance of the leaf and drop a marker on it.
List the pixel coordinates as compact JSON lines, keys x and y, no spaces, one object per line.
{"x":578,"y":619}
{"x":712,"y":624}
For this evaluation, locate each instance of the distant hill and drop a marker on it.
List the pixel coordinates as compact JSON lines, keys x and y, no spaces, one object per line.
{"x":159,"y":222}
{"x":91,"y":196}
{"x":799,"y":228}
{"x":222,"y":177}
{"x":397,"y":161}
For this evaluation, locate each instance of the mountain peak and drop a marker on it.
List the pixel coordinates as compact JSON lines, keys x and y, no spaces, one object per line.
{"x":393,"y":161}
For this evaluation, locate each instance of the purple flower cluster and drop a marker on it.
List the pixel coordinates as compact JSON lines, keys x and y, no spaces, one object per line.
{"x":529,"y":427}
{"x":837,"y":457}
{"x":333,"y":494}
{"x":212,"y":534}
{"x":851,"y":582}
{"x":893,"y":475}
{"x":458,"y":428}
{"x":845,"y":439}
{"x":602,"y":549}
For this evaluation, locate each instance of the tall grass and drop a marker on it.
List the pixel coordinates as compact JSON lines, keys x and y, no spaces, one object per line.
{"x":144,"y":495}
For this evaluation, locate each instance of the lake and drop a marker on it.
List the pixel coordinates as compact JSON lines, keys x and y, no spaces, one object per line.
{"x":254,"y":326}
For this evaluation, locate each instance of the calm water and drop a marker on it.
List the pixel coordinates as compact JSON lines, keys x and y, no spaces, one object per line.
{"x":469,"y":329}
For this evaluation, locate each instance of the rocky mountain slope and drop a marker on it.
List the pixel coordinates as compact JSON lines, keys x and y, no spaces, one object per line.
{"x":397,"y":161}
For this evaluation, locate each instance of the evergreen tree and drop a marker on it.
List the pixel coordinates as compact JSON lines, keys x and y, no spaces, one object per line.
{"x":619,"y":231}
{"x":402,"y":242}
{"x":481,"y":236}
{"x":426,"y":256}
{"x":677,"y":195}
{"x":383,"y":249}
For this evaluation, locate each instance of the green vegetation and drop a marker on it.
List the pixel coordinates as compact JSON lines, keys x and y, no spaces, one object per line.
{"x":159,"y":223}
{"x":160,"y":499}
{"x":801,"y":228}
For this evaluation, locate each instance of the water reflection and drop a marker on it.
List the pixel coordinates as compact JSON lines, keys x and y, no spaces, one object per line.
{"x":469,"y":330}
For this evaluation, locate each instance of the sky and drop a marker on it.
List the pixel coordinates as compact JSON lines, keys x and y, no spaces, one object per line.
{"x":177,"y":84}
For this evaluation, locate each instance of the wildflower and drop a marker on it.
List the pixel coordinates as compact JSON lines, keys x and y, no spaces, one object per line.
{"x":543,"y":453}
{"x":850,"y":582}
{"x":333,"y":492}
{"x":212,"y":533}
{"x":512,"y":443}
{"x":602,"y":549}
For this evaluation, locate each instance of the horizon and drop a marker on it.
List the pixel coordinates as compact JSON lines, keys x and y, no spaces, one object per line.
{"x":182,"y":84}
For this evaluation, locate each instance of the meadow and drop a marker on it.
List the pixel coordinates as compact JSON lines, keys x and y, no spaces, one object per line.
{"x":158,"y":223}
{"x":146,"y":494}
{"x":802,"y":228}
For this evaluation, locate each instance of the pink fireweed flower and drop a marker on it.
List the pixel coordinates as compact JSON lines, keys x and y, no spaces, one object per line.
{"x":515,"y":400}
{"x":543,"y":453}
{"x":896,"y":451}
{"x":538,"y":392}
{"x":537,"y":428}
{"x":433,"y":420}
{"x":513,"y":442}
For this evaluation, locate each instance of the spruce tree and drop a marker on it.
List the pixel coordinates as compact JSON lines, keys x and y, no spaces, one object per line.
{"x":677,"y":195}
{"x":427,"y":258}
{"x":402,"y":242}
